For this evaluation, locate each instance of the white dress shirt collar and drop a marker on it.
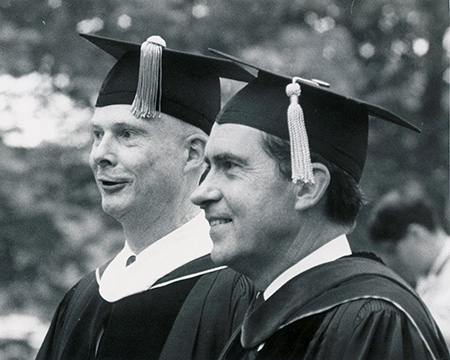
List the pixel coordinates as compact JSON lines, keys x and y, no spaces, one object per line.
{"x":187,"y":243}
{"x":331,"y":251}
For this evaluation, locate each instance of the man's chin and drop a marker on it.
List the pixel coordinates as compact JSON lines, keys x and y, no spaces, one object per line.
{"x":219,"y":258}
{"x":114,"y":210}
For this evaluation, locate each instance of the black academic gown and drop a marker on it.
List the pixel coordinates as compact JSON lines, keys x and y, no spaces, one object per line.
{"x":349,"y":309}
{"x":185,"y":319}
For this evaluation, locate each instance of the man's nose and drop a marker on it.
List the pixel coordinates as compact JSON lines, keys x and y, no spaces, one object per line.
{"x":102,"y":153}
{"x":207,"y":192}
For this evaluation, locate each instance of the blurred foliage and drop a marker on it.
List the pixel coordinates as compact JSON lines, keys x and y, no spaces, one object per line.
{"x":394,"y":53}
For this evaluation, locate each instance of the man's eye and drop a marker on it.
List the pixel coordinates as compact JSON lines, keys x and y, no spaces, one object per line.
{"x":126,"y":134}
{"x":227,"y":165}
{"x":97,"y":134}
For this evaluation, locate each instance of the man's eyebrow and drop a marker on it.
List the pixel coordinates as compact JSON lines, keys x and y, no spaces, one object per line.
{"x":95,"y":123}
{"x":220,"y":158}
{"x":126,"y":124}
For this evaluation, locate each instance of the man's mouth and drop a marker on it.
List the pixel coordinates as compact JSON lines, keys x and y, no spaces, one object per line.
{"x":215,"y":222}
{"x":110,"y":183}
{"x":112,"y":186}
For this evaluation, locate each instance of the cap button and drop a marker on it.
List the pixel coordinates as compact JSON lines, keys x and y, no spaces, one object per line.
{"x":158,"y":40}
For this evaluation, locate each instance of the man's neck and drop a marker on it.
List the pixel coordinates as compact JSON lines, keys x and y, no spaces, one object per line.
{"x":305,"y":244}
{"x":141,"y":233}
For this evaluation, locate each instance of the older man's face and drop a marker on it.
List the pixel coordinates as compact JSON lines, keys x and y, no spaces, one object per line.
{"x":137,"y":163}
{"x":248,"y":204}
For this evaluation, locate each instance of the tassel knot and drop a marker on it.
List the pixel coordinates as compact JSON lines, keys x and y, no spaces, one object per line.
{"x":147,"y":101}
{"x":293,"y":89}
{"x":300,"y":155}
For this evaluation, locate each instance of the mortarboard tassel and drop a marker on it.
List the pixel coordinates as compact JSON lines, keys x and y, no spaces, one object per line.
{"x":300,"y":156}
{"x":147,"y":101}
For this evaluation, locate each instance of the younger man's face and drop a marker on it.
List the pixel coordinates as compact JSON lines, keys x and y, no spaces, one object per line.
{"x":247,"y":202}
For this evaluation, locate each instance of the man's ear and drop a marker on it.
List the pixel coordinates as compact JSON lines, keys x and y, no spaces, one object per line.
{"x":308,"y":195}
{"x":195,"y":150}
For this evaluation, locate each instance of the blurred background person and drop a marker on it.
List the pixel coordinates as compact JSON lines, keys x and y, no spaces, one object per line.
{"x":408,"y":236}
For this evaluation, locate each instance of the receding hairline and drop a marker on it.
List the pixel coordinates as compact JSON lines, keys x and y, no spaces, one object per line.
{"x":172,"y":124}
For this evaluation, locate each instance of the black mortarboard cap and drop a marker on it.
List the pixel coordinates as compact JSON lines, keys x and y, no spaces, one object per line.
{"x":180,"y":84}
{"x":336,"y":126}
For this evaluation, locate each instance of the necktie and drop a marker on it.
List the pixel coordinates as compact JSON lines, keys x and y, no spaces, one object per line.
{"x":131,"y":260}
{"x":256,"y":302}
{"x":251,"y":354}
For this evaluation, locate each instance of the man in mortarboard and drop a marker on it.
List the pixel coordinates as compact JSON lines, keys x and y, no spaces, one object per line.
{"x":285,"y":157}
{"x":161,"y":297}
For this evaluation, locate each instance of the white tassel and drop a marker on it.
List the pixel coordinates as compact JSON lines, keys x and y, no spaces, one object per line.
{"x":147,"y":101}
{"x":300,"y":156}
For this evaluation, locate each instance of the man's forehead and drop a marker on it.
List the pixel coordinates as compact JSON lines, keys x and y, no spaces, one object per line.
{"x":115,"y":114}
{"x":233,"y":138}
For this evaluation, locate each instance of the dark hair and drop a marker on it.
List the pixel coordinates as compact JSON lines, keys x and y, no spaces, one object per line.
{"x":395,"y":211}
{"x":344,"y":197}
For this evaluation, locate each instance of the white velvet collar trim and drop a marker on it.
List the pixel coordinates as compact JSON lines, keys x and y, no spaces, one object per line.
{"x":185,"y":244}
{"x":331,"y":251}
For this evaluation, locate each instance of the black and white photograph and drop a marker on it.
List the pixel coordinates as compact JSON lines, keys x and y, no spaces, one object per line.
{"x":224,"y":180}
